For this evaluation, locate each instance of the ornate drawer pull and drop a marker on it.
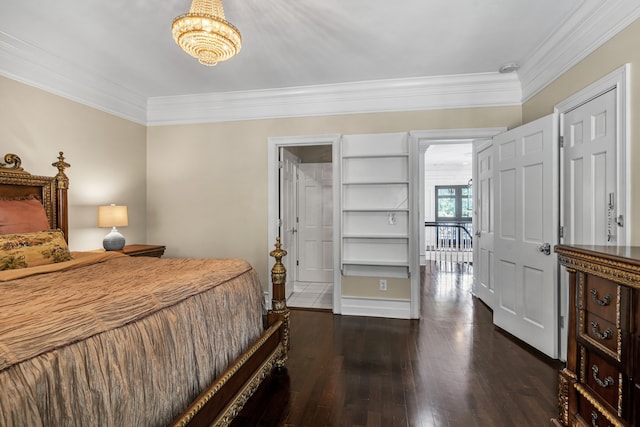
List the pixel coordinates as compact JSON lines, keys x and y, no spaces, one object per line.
{"x":594,"y":419}
{"x":607,"y":334}
{"x":609,"y":381}
{"x":604,"y":301}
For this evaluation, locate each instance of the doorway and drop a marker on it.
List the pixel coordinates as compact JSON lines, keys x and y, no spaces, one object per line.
{"x":448,"y":205}
{"x":301,"y":200}
{"x":310,"y":213}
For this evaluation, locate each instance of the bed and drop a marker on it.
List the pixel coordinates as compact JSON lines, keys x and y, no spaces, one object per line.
{"x":101,"y":338}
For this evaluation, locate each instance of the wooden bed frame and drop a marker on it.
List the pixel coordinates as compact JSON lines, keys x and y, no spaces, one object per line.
{"x":219,"y":403}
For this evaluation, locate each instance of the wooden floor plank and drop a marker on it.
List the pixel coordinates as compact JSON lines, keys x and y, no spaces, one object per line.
{"x":450,"y":368}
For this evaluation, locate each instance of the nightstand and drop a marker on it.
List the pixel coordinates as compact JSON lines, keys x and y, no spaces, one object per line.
{"x":143,"y":250}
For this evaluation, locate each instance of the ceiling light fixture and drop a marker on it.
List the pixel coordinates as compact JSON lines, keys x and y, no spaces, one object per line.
{"x":205,"y":34}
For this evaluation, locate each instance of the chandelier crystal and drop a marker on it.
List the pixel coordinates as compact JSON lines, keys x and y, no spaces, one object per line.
{"x":205,"y":34}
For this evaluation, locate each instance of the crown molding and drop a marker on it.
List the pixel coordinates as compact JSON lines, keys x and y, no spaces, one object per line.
{"x":592,"y":24}
{"x":33,"y":66}
{"x":422,"y":93}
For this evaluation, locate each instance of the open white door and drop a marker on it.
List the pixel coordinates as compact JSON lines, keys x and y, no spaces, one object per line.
{"x":483,"y":188}
{"x":526,"y":230}
{"x":288,"y":193}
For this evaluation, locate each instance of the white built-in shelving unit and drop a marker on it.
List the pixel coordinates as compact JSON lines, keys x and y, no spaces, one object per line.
{"x":376,"y":215}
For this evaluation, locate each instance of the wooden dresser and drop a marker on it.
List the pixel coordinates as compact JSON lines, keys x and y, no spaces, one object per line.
{"x":600,"y":385}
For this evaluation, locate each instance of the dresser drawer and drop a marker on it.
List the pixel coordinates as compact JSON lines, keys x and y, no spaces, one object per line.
{"x":601,"y":297}
{"x":602,"y":334}
{"x":589,"y":415}
{"x":605,"y":382}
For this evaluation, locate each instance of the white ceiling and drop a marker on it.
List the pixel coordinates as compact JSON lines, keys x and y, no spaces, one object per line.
{"x":125,"y":46}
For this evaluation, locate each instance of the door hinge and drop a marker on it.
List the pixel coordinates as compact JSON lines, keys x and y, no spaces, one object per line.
{"x":280,"y":164}
{"x":278,"y":222}
{"x":561,"y":141}
{"x":561,"y":321}
{"x":561,"y":231}
{"x":297,"y":262}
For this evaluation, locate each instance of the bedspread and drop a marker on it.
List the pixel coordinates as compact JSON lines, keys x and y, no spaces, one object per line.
{"x":128,"y":341}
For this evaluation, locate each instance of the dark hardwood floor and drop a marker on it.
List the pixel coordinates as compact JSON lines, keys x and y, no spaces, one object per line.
{"x":450,"y":368}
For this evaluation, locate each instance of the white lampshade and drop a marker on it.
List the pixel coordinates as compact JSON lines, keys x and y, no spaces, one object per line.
{"x":113,"y":216}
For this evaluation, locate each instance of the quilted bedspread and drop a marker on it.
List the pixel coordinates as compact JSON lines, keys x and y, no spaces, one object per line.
{"x":121,"y":342}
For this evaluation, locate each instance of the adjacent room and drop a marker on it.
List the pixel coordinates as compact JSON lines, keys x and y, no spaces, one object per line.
{"x":304,"y":213}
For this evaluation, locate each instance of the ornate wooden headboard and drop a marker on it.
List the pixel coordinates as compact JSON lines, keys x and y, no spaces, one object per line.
{"x":15,"y":182}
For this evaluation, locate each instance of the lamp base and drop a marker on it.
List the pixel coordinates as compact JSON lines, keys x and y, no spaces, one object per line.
{"x":114,"y":241}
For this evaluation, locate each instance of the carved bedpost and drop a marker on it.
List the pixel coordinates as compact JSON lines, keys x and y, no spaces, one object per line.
{"x":279,"y":309}
{"x":62,"y":185}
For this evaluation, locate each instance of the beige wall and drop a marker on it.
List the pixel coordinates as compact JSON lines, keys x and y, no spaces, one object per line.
{"x":207,"y":183}
{"x":618,"y":51}
{"x":107,"y":156}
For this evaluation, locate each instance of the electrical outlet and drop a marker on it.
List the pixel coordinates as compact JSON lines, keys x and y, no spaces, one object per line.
{"x":383,"y":285}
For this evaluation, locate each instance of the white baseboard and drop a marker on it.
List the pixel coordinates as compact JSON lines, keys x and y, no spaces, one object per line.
{"x":376,"y":307}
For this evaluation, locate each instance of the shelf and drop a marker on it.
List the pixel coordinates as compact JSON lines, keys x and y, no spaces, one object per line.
{"x":376,"y":236}
{"x":375,"y":210}
{"x":376,"y":262}
{"x":375,"y":193}
{"x":374,"y":156}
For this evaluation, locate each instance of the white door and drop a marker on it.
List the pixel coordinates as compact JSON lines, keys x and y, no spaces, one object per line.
{"x":526,"y":222}
{"x":483,"y":187}
{"x":288,"y":200}
{"x":590,"y":197}
{"x":315,"y":227}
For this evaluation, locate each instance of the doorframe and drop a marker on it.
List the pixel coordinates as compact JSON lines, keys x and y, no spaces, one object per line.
{"x":273,"y":189}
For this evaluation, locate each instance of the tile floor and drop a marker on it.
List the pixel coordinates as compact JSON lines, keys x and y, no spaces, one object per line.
{"x":311,"y":295}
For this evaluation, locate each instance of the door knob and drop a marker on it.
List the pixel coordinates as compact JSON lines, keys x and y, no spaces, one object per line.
{"x":545,"y":248}
{"x":478,"y":233}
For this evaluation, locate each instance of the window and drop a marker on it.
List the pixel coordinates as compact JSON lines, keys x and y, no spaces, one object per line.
{"x":454,"y":203}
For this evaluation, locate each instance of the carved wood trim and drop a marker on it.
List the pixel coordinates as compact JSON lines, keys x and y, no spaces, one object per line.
{"x":237,"y":403}
{"x":606,"y":268}
{"x":563,"y":399}
{"x":12,"y":163}
{"x":596,"y":404}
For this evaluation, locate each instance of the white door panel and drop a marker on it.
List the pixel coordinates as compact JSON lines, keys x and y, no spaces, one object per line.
{"x":483,"y":237}
{"x":589,"y":165}
{"x":315,"y":227}
{"x":526,"y":218}
{"x":288,"y":201}
{"x":589,"y":174}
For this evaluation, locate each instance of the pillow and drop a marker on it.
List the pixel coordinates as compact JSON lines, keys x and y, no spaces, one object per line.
{"x":22,"y":216}
{"x":32,"y":249}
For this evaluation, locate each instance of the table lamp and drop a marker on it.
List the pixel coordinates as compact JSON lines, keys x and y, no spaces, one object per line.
{"x":113,"y":216}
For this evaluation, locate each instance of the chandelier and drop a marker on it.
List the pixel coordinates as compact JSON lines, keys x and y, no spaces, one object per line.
{"x":205,"y":34}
